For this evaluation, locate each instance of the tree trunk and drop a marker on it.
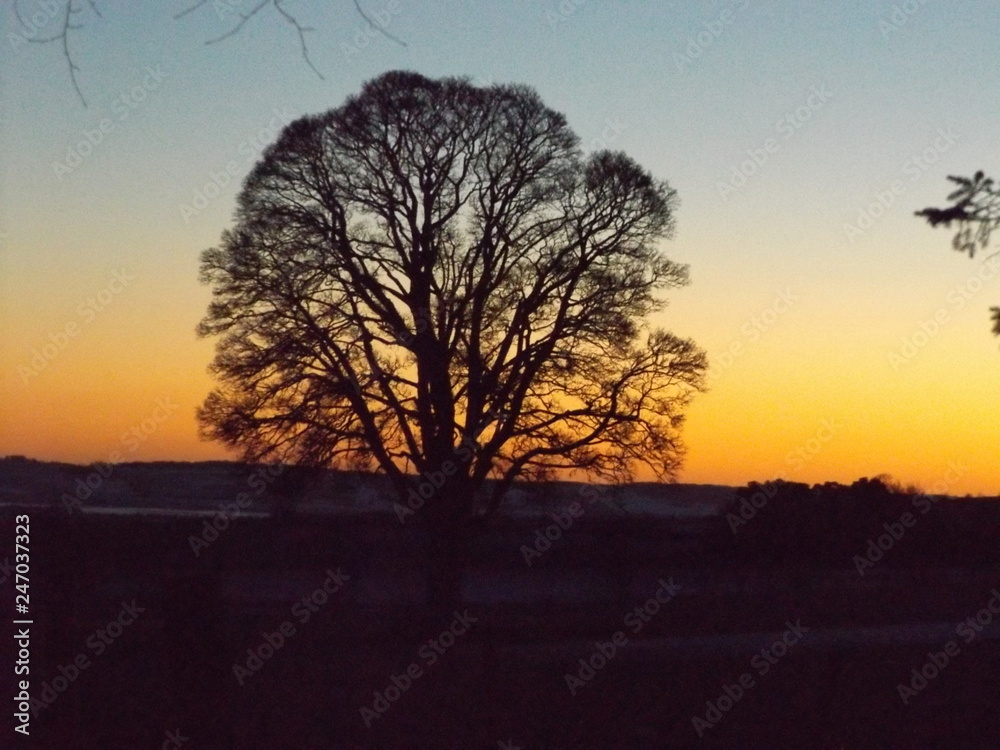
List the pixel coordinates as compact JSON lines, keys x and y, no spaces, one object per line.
{"x":448,"y":526}
{"x":446,"y":563}
{"x":450,"y":551}
{"x":453,"y":553}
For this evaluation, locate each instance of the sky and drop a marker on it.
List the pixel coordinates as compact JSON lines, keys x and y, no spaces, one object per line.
{"x":846,"y":338}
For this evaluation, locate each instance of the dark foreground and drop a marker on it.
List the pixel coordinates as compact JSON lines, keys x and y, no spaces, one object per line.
{"x":137,"y":642}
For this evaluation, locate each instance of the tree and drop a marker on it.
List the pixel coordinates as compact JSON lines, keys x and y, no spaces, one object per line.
{"x":976,"y":208}
{"x":432,"y":281}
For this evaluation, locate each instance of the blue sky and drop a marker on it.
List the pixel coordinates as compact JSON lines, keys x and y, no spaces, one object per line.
{"x":781,"y":125}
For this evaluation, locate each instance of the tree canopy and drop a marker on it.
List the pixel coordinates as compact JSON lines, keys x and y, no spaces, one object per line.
{"x":434,"y":275}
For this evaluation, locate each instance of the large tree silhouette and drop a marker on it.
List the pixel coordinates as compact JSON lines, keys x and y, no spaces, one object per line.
{"x":433,"y":282}
{"x":976,"y":211}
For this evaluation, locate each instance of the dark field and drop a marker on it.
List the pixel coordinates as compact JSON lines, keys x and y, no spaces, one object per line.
{"x":499,"y":680}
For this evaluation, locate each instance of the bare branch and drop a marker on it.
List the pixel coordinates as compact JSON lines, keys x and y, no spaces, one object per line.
{"x":65,"y":39}
{"x":192,"y":9}
{"x":244,"y":17}
{"x":300,"y":30}
{"x":378,"y":28}
{"x":63,"y":36}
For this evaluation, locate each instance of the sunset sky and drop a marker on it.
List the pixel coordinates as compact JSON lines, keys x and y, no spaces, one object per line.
{"x":846,"y":338}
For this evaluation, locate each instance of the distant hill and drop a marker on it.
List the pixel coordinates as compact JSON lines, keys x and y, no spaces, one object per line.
{"x":204,"y":486}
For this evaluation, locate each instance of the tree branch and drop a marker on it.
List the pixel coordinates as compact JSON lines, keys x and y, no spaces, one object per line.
{"x":375,"y":26}
{"x":63,"y":36}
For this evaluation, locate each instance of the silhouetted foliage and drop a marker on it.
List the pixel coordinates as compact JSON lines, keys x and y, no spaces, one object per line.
{"x":976,"y":209}
{"x":790,"y":522}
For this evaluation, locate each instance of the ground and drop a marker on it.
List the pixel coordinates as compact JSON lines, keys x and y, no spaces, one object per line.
{"x":312,"y":631}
